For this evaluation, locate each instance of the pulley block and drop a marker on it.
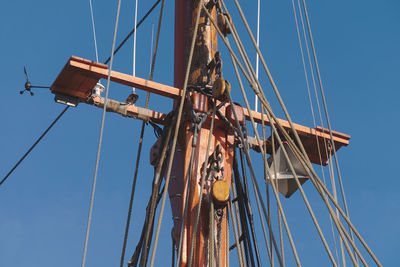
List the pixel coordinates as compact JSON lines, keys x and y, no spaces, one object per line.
{"x":220,"y":191}
{"x":132,"y":98}
{"x":220,"y":87}
{"x":223,"y":21}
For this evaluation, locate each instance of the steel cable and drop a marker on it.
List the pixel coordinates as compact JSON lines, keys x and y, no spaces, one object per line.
{"x":320,"y":116}
{"x":94,"y":31}
{"x":276,"y":185}
{"x":250,"y":216}
{"x":303,"y":155}
{"x":180,"y":110}
{"x":257,"y":57}
{"x":187,"y":186}
{"x":236,"y":230}
{"x":242,"y":213}
{"x":211,"y":225}
{"x":255,"y":186}
{"x":235,"y":64}
{"x":203,"y":178}
{"x":267,"y":187}
{"x":235,"y":216}
{"x":322,"y":188}
{"x":100,"y":139}
{"x":140,"y":143}
{"x":134,"y":45}
{"x":228,"y":46}
{"x":133,"y":30}
{"x":304,"y":197}
{"x":155,"y":196}
{"x":326,"y":111}
{"x":300,"y":156}
{"x":278,"y":124}
{"x":187,"y":189}
{"x":305,"y":158}
{"x":313,"y":116}
{"x":34,"y":144}
{"x":287,"y":115}
{"x":62,"y":112}
{"x":259,"y":91}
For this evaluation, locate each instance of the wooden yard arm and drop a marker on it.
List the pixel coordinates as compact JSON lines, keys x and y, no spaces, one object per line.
{"x":129,"y":110}
{"x":79,"y":76}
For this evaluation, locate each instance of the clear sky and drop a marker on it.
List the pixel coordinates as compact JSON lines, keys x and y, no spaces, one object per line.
{"x":44,"y":204}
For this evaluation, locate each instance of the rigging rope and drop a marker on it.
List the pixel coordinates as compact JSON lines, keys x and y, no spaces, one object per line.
{"x":265,"y":103}
{"x":314,"y":83}
{"x":312,"y":110}
{"x":140,"y":141}
{"x":276,"y":185}
{"x":267,"y":187}
{"x":320,"y":186}
{"x":326,"y":111}
{"x":203,"y":179}
{"x":134,"y":45}
{"x":34,"y":145}
{"x":337,"y":212}
{"x":257,"y":57}
{"x":180,"y":110}
{"x":144,"y":245}
{"x":257,"y":192}
{"x":279,"y":100}
{"x":290,"y":165}
{"x":250,"y":213}
{"x":242,"y":212}
{"x":235,"y":217}
{"x":133,"y":30}
{"x":235,"y":64}
{"x":66,"y":108}
{"x":94,"y":31}
{"x":255,"y":186}
{"x":235,"y":230}
{"x":316,"y":94}
{"x":103,"y":113}
{"x":100,"y":138}
{"x":197,"y":122}
{"x":151,"y":46}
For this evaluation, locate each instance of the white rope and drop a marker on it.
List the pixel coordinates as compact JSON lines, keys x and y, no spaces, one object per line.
{"x":257,"y":56}
{"x":134,"y":45}
{"x":94,"y":31}
{"x":151,"y":46}
{"x":100,"y":140}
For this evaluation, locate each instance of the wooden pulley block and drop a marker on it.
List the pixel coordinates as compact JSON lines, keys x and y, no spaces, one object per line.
{"x":132,"y":98}
{"x":222,"y":21}
{"x":220,"y":87}
{"x":220,"y":191}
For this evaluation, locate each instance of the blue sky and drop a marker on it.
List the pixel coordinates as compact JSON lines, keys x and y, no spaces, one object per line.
{"x":44,"y":204}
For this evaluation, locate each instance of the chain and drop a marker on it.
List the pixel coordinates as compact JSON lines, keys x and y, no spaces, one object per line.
{"x":219,"y":216}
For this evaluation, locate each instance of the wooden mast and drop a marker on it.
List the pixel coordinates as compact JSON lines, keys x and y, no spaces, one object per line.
{"x":75,"y":85}
{"x":205,"y":49}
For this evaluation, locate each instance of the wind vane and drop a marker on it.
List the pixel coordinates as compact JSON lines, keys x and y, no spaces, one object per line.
{"x":29,"y":86}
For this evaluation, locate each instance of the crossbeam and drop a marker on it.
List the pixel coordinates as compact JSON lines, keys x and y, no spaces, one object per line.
{"x":79,"y":76}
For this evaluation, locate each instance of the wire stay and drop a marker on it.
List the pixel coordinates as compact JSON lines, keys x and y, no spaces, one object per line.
{"x":100,"y":138}
{"x":34,"y":145}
